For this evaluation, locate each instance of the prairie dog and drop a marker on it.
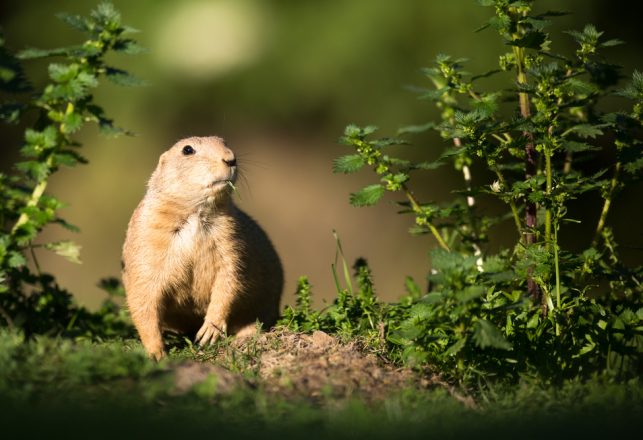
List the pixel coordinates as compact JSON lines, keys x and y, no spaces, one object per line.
{"x":193,"y":262}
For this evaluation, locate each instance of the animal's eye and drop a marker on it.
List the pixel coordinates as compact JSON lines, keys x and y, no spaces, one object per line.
{"x":187,"y":150}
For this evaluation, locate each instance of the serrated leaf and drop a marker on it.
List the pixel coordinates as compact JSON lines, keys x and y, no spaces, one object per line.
{"x":122,"y":78}
{"x":348,"y":164}
{"x":408,"y":331}
{"x":553,"y":14}
{"x":129,"y":47}
{"x":418,"y":230}
{"x":106,"y":13}
{"x":386,"y":142}
{"x":635,"y":89}
{"x":107,"y":128}
{"x":11,"y":112}
{"x":367,"y":196}
{"x":577,"y":147}
{"x":36,"y":170}
{"x":12,"y":76}
{"x":612,"y":42}
{"x":531,"y":40}
{"x":456,"y":347}
{"x":353,"y":130}
{"x":485,"y":335}
{"x":68,"y":158}
{"x":67,"y":249}
{"x":427,"y":165}
{"x":412,"y":129}
{"x":16,"y":260}
{"x":75,"y":21}
{"x":71,"y":123}
{"x":33,"y":53}
{"x":63,"y":72}
{"x":633,"y":167}
{"x":66,"y":225}
{"x":421,"y":311}
{"x":586,"y":130}
{"x":470,"y":293}
{"x":579,"y":87}
{"x":45,"y":139}
{"x":485,"y":75}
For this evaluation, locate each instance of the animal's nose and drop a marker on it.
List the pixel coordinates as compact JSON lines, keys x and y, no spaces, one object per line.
{"x":231,"y":162}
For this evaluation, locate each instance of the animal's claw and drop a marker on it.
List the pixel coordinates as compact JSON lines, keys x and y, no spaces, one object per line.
{"x":208,"y":334}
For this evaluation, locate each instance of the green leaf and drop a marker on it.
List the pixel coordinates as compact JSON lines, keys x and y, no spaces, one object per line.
{"x":414,"y":129}
{"x":122,"y":78}
{"x":33,"y":53}
{"x":71,"y":123}
{"x":348,"y":164}
{"x":421,"y":311}
{"x":433,"y":298}
{"x":353,"y":130}
{"x":36,"y":170}
{"x":66,"y":249}
{"x":586,"y":130}
{"x":68,"y":158}
{"x":106,"y":13}
{"x":485,"y":334}
{"x":367,"y":196}
{"x":470,"y":293}
{"x":11,"y":112}
{"x":129,"y":47}
{"x":456,"y":347}
{"x":44,"y":140}
{"x":75,"y":21}
{"x":66,"y":225}
{"x":427,"y":165}
{"x":635,"y":89}
{"x":577,"y":147}
{"x":16,"y":260}
{"x":612,"y":42}
{"x":63,"y":72}
{"x":531,"y":40}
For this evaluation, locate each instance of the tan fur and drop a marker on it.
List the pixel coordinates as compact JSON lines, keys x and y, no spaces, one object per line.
{"x":192,"y":261}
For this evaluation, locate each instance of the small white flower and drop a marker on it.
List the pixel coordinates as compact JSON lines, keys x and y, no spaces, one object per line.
{"x":495,"y":186}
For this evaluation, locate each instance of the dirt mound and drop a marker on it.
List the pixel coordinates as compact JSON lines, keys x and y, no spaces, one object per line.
{"x":319,"y":366}
{"x":296,"y":365}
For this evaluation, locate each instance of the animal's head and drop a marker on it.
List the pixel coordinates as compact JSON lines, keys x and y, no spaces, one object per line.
{"x":196,"y":170}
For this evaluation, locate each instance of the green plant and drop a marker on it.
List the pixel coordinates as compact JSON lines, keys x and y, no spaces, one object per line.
{"x":527,"y":308}
{"x":61,"y":108}
{"x":356,"y":312}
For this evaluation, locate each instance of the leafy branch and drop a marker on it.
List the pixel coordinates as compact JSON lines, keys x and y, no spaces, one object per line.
{"x":62,"y":107}
{"x":527,"y":305}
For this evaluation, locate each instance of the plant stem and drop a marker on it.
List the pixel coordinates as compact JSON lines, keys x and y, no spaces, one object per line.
{"x":531,"y":211}
{"x":417,"y":208}
{"x":471,"y":202}
{"x":548,"y":173}
{"x":607,"y":203}
{"x":557,"y":268}
{"x":36,"y":194}
{"x":567,"y":166}
{"x":530,"y":150}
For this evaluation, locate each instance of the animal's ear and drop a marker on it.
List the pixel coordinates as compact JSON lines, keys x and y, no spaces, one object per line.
{"x":162,"y":160}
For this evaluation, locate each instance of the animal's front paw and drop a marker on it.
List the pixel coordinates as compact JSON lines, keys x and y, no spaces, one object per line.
{"x":157,"y":355}
{"x":209,"y":333}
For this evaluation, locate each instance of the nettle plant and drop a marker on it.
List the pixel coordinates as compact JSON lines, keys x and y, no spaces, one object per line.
{"x":535,"y":306}
{"x":30,"y":299}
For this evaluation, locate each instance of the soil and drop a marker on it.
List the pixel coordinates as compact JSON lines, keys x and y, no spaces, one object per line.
{"x":315,"y":367}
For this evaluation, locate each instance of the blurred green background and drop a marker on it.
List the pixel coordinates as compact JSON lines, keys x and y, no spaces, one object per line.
{"x":279,"y":79}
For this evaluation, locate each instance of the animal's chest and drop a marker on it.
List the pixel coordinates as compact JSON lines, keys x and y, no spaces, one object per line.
{"x":194,"y":259}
